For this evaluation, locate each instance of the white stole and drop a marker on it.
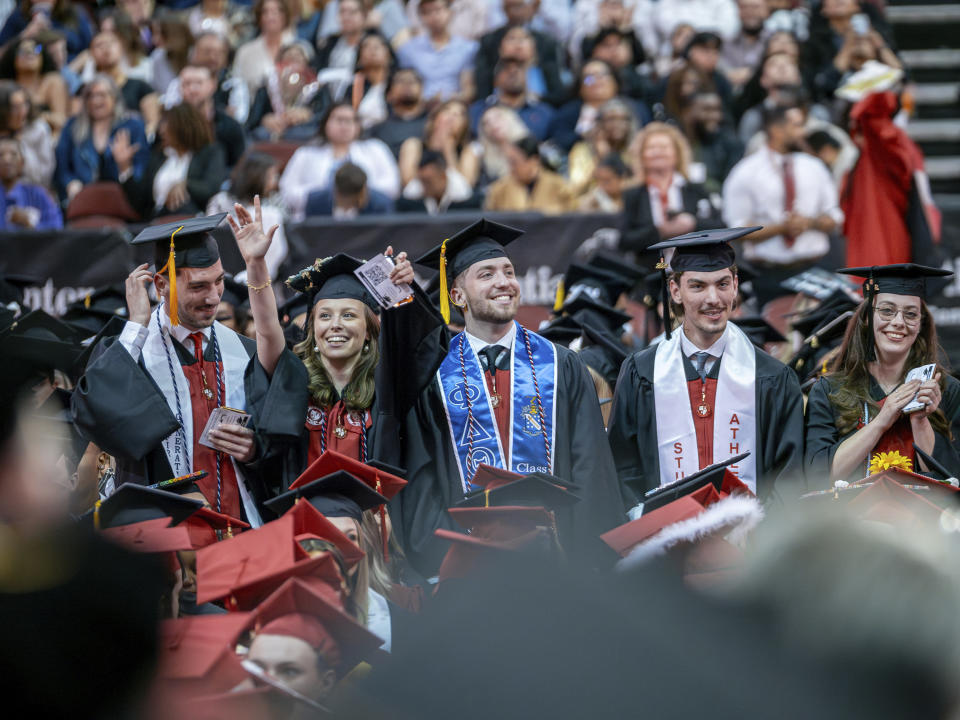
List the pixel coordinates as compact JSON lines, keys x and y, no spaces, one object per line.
{"x":734,"y":412}
{"x":157,"y":348}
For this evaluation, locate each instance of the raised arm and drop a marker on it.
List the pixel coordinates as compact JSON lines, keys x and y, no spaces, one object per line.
{"x":254,"y":243}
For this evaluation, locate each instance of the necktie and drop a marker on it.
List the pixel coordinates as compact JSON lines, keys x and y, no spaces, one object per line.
{"x":197,"y":338}
{"x":702,"y":358}
{"x":789,"y":194}
{"x":489,"y":356}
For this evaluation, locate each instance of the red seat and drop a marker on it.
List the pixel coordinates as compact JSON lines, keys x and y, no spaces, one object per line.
{"x":96,"y":221}
{"x":101,"y":198}
{"x":281,"y":151}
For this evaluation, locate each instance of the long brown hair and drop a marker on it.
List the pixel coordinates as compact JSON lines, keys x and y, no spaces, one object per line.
{"x":850,"y":378}
{"x":357,"y":396}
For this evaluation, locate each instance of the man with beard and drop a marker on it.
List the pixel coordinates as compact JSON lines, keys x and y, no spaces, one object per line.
{"x":148,"y":393}
{"x":742,"y":54}
{"x":408,"y":116}
{"x":791,"y":194}
{"x":504,"y":397}
{"x":198,"y":87}
{"x":740,"y":399}
{"x":714,"y":144}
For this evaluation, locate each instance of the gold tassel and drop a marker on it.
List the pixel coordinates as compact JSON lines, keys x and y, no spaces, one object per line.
{"x":171,"y":268}
{"x":560,"y":297}
{"x":444,"y":293}
{"x":486,"y":498}
{"x":96,"y":515}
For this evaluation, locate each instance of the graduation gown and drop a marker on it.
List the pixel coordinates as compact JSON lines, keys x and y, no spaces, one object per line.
{"x":823,"y":438}
{"x":579,"y":453}
{"x":779,"y":425}
{"x":118,"y":406}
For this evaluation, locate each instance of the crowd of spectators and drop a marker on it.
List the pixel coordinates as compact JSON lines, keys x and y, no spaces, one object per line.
{"x":674,"y":114}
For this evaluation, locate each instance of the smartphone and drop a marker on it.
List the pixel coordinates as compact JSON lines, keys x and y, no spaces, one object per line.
{"x":922,"y":373}
{"x":860,"y":24}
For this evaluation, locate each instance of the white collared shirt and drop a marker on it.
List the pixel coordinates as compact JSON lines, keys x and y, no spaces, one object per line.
{"x":714,"y":351}
{"x":754,"y":194}
{"x":674,"y":199}
{"x":507,"y":340}
{"x":134,"y":335}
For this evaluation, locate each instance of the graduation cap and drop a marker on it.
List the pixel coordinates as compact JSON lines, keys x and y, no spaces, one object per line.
{"x":586,"y":311}
{"x":206,"y":526}
{"x":483,"y":240}
{"x":295,"y":610}
{"x":605,"y":351}
{"x":42,"y":341}
{"x":618,"y":265}
{"x":900,"y":279}
{"x":715,"y":475}
{"x":887,"y":501}
{"x":332,"y":278}
{"x":561,"y":330}
{"x":182,"y":244}
{"x":310,"y":524}
{"x":935,"y":467}
{"x":535,"y":490}
{"x":339,"y":494}
{"x":699,"y":251}
{"x":12,"y":286}
{"x":198,"y":653}
{"x":89,"y":314}
{"x":150,"y":536}
{"x":293,"y":308}
{"x":597,"y":284}
{"x":380,"y":477}
{"x":132,"y":503}
{"x":758,"y":330}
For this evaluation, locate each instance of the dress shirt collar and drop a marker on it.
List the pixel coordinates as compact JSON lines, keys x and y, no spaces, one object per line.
{"x":507,"y":340}
{"x":182,"y":334}
{"x":714,"y":351}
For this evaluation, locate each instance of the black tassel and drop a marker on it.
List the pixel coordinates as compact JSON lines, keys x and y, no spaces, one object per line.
{"x":869,"y":288}
{"x":665,"y":296}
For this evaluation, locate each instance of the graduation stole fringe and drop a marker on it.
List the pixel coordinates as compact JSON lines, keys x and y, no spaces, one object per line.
{"x":470,"y":415}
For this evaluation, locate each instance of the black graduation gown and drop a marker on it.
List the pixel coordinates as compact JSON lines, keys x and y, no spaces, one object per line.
{"x":580,"y":456}
{"x":822,"y":437}
{"x":118,"y":406}
{"x":779,"y":412}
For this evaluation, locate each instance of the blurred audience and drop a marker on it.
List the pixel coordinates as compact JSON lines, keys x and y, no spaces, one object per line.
{"x":437,"y":188}
{"x":254,"y":59}
{"x":349,"y":196}
{"x":443,"y":60}
{"x":288,"y":106}
{"x":32,"y":67}
{"x":447,"y":131}
{"x":529,"y":186}
{"x":18,"y":120}
{"x":615,"y":129}
{"x":406,"y":112}
{"x":26,"y":206}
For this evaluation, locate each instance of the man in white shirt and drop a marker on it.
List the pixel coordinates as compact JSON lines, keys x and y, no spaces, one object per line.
{"x":791,"y":194}
{"x":719,"y":16}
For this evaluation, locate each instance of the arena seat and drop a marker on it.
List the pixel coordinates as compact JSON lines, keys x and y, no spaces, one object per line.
{"x":101,"y":199}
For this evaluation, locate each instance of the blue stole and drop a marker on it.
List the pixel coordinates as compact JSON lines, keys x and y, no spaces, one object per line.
{"x":465,"y":394}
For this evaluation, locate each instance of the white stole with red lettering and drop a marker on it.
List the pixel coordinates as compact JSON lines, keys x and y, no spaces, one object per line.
{"x":734,"y":411}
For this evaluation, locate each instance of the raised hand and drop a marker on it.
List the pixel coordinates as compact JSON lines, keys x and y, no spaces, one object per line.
{"x":252,"y":241}
{"x":138,"y":301}
{"x":402,"y":273}
{"x":122,"y":150}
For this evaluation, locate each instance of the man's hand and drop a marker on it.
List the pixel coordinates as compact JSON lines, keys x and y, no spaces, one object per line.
{"x":252,"y":241}
{"x":73,"y":187}
{"x":235,"y":441}
{"x":402,"y":273}
{"x":138,"y":301}
{"x":796,"y":225}
{"x":20,"y":216}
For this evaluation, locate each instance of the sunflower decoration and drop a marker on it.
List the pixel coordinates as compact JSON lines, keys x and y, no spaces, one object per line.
{"x":886,"y":460}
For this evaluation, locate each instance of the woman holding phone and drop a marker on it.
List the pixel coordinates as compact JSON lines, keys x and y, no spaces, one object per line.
{"x":859,"y":417}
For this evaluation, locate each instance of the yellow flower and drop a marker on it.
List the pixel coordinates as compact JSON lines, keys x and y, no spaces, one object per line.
{"x":884,"y":461}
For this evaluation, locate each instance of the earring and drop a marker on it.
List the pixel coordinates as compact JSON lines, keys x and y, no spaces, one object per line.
{"x":366,"y":347}
{"x":316,"y":348}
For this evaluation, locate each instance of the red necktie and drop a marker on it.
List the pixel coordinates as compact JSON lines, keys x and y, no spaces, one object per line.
{"x":197,"y":338}
{"x":789,"y":194}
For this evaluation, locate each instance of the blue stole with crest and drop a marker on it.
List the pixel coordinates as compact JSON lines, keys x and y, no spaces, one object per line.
{"x":532,"y":407}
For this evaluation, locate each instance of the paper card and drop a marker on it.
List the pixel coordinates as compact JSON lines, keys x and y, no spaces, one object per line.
{"x":922,"y":373}
{"x":375,"y":276}
{"x":225,"y":415}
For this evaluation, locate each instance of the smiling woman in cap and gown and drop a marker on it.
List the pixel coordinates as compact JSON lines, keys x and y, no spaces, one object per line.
{"x":706,"y":393}
{"x":503,"y":396}
{"x":855,"y":424}
{"x":147,"y":394}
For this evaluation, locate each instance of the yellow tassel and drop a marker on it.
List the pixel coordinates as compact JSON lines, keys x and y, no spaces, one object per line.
{"x":560,"y":297}
{"x":96,"y":515}
{"x":86,"y":301}
{"x":486,"y":498}
{"x":444,"y":293}
{"x":171,"y":268}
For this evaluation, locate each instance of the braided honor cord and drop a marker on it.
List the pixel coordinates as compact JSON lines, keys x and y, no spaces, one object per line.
{"x":536,"y":388}
{"x":181,"y":433}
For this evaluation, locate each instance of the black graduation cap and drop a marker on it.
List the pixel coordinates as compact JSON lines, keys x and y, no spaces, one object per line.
{"x":586,"y":311}
{"x":182,"y":244}
{"x":12,"y":286}
{"x":593,"y":282}
{"x":42,"y":341}
{"x":95,"y":310}
{"x":534,"y":490}
{"x":113,"y":327}
{"x":935,"y":467}
{"x":900,"y":279}
{"x":701,"y":251}
{"x":612,"y":347}
{"x":332,"y":278}
{"x":758,"y":330}
{"x":713,"y":474}
{"x":235,"y":293}
{"x":132,"y":503}
{"x":815,"y":319}
{"x":340,"y":494}
{"x":483,"y":240}
{"x":618,"y":265}
{"x":388,"y":468}
{"x":561,"y":330}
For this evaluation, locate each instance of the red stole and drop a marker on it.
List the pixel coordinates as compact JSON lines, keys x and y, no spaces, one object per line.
{"x":501,"y":413}
{"x":351,"y":444}
{"x":897,"y":438}
{"x":703,"y":424}
{"x":205,"y":458}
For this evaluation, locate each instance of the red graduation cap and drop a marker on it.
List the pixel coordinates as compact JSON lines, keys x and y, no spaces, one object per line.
{"x":294,"y":609}
{"x":939,"y":492}
{"x":329,"y":462}
{"x":623,"y":538}
{"x":150,"y":536}
{"x":197,"y":653}
{"x":889,"y":502}
{"x":310,"y":522}
{"x":248,"y":567}
{"x":489,"y":477}
{"x":246,"y":704}
{"x":204,"y":524}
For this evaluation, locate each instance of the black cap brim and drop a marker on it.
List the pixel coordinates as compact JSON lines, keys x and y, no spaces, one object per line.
{"x":339,"y":494}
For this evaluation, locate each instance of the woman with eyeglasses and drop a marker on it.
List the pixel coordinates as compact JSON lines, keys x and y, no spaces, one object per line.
{"x":861,"y":416}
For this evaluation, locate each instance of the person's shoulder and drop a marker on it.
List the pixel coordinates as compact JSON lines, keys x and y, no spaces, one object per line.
{"x":769,"y":366}
{"x":130,"y":122}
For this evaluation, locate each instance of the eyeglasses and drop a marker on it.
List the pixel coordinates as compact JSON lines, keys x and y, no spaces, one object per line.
{"x":26,"y":49}
{"x":888,"y":313}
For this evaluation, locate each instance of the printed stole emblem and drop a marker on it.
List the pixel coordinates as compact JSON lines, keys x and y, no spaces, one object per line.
{"x":466,"y":398}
